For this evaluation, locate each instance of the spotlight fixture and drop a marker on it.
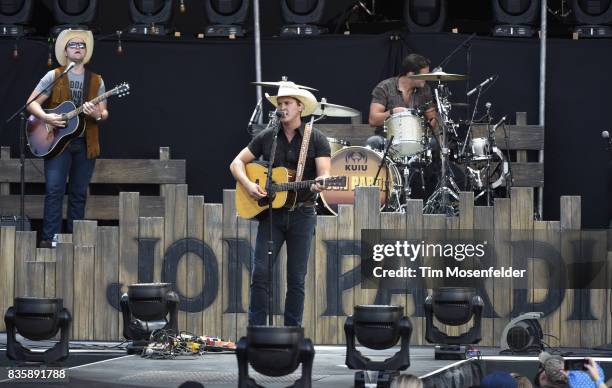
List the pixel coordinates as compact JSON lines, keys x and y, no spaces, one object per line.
{"x":425,"y":15}
{"x":523,"y":335}
{"x":377,"y":327}
{"x":515,"y":18}
{"x":226,"y":17}
{"x":301,"y":17}
{"x":14,"y":16}
{"x":147,"y":307}
{"x":73,"y":14}
{"x":593,"y":18}
{"x":150,"y":16}
{"x":453,"y":306}
{"x":274,"y":351}
{"x":37,"y":319}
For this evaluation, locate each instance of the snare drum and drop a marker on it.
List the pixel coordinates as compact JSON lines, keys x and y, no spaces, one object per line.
{"x":336,"y":144}
{"x":359,"y":165}
{"x":408,"y":132}
{"x":481,"y":149}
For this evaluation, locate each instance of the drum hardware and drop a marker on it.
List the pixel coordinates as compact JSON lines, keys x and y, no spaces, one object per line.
{"x":439,"y":75}
{"x":326,"y":109}
{"x":336,"y":145}
{"x":444,"y":199}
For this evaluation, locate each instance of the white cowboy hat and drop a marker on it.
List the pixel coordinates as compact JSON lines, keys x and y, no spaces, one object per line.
{"x":289,"y":89}
{"x":65,"y":36}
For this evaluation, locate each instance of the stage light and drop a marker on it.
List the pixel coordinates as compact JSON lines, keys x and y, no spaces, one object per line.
{"x":14,"y":16}
{"x":274,"y":351}
{"x":73,"y":14}
{"x":301,"y":17}
{"x":226,"y":17}
{"x":515,"y":17}
{"x":377,"y":327}
{"x":425,"y":15}
{"x":593,"y":18}
{"x":523,"y":335}
{"x":37,"y":319}
{"x":452,"y":306}
{"x":150,"y":16}
{"x":145,"y":308}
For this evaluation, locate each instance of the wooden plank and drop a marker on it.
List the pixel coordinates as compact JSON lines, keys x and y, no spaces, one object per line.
{"x":212,"y":319}
{"x":246,"y":230}
{"x":106,"y":326}
{"x":520,"y":136}
{"x":230,"y":231}
{"x":548,"y":231}
{"x":7,"y":274}
{"x":98,"y":207}
{"x":327,"y":327}
{"x":35,"y":279}
{"x":25,"y":250}
{"x":570,"y":218}
{"x":414,"y":230}
{"x":346,"y":232}
{"x":64,"y":274}
{"x":5,"y":188}
{"x":521,"y":119}
{"x":85,"y":232}
{"x":64,"y":237}
{"x":309,"y":316}
{"x":434,"y":221}
{"x":107,"y":171}
{"x":84,"y":275}
{"x":195,"y":266}
{"x":164,"y":154}
{"x":484,"y":219}
{"x":153,"y":228}
{"x":528,"y":174}
{"x":128,"y":243}
{"x":367,"y":216}
{"x":397,"y":223}
{"x":176,"y":229}
{"x":502,"y":297}
{"x":50,"y":267}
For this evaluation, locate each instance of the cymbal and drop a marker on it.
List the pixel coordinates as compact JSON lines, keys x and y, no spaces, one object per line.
{"x":334,"y":110}
{"x":438,"y":76}
{"x":459,"y":104}
{"x":282,"y":83}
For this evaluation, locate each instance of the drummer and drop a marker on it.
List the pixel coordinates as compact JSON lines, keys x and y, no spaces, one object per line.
{"x":398,"y":94}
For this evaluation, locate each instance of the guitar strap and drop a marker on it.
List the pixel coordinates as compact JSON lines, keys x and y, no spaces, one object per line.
{"x":304,"y":150}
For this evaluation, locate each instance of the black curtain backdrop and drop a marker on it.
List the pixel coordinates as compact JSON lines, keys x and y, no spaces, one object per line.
{"x":194,"y":96}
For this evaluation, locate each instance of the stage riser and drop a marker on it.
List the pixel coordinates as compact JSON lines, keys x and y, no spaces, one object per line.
{"x":205,"y":250}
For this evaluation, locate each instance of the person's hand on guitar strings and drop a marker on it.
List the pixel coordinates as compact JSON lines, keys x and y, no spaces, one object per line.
{"x":92,"y":110}
{"x":255,"y":190}
{"x":318,"y":186}
{"x":54,"y":119}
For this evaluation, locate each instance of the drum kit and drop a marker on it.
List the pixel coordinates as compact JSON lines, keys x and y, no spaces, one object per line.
{"x":442,"y":157}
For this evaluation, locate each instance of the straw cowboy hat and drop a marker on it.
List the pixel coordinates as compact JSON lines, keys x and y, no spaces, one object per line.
{"x":289,"y":89}
{"x":65,"y":36}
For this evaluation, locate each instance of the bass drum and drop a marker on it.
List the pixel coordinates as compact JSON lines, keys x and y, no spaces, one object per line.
{"x":359,"y":165}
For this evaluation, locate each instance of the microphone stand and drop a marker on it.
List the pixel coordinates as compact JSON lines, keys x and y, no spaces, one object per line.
{"x":276,"y":125}
{"x":22,"y":130}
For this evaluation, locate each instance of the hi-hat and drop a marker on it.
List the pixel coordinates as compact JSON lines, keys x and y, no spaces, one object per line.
{"x":282,"y":83}
{"x":438,"y":76}
{"x":334,"y":110}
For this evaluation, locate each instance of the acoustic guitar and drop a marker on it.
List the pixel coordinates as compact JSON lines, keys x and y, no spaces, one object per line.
{"x":46,"y":141}
{"x":282,"y":192}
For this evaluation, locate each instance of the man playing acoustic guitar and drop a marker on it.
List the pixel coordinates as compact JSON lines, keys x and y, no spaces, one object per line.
{"x":79,"y":157}
{"x":296,"y":226}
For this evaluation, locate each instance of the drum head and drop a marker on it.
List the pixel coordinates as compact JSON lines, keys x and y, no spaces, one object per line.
{"x":359,"y":165}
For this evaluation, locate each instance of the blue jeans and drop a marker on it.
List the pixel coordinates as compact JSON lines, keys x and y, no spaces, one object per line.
{"x":297,"y":229}
{"x":72,"y":161}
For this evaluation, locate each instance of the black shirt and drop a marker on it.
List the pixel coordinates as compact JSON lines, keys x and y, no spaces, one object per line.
{"x":388,"y":93}
{"x":287,"y":154}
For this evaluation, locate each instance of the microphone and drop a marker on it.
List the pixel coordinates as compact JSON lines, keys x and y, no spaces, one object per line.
{"x":279,"y":113}
{"x":254,"y":116}
{"x":503,"y":119}
{"x":70,"y":66}
{"x":482,"y":85}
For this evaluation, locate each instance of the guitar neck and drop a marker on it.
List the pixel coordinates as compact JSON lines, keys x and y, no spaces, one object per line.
{"x":295,"y":185}
{"x":96,"y":100}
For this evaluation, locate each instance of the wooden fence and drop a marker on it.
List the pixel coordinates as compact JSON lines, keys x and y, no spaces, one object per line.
{"x":204,"y":249}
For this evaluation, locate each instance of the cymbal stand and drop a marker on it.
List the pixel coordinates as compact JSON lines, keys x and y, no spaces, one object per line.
{"x":444,"y":199}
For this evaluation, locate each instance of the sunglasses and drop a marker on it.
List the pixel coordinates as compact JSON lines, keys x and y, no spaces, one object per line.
{"x":75,"y":45}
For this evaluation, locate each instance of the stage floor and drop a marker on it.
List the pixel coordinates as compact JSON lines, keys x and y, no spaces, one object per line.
{"x":112,"y":368}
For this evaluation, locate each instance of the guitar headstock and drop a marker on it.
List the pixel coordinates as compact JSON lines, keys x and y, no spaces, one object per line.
{"x":121,"y":90}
